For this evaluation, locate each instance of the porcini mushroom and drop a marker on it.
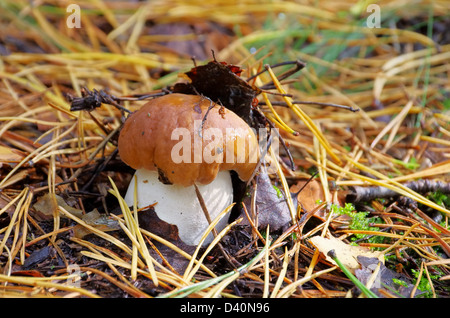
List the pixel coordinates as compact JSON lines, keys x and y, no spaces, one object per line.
{"x":176,"y":142}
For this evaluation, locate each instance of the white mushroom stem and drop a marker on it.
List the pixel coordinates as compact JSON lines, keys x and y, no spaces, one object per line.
{"x":180,"y":206}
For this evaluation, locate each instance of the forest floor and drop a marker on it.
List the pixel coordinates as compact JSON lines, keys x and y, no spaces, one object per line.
{"x":374,"y":206}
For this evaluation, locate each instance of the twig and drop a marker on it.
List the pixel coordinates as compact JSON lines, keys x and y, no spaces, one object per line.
{"x":361,"y":194}
{"x":277,"y":103}
{"x":90,"y":100}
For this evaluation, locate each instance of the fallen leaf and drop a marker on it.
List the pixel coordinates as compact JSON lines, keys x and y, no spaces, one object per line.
{"x":17,"y":177}
{"x":98,"y":220}
{"x":10,"y":155}
{"x":386,"y":279}
{"x":311,"y":194}
{"x":347,"y":254}
{"x":149,"y":220}
{"x":271,"y":205}
{"x":37,"y":257}
{"x":47,"y":204}
{"x":221,"y":83}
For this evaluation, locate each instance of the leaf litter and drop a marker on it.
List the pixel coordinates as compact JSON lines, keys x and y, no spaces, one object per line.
{"x":59,"y":207}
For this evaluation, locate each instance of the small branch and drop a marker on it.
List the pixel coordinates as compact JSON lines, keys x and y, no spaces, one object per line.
{"x":91,"y":100}
{"x":361,"y":194}
{"x":275,"y":103}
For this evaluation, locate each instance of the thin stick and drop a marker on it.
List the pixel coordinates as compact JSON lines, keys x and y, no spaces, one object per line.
{"x":297,"y":102}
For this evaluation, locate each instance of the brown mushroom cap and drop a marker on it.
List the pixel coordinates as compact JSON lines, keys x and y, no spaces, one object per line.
{"x":145,"y":141}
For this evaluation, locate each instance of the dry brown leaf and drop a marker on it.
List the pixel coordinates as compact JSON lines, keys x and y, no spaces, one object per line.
{"x":346,"y":253}
{"x":310,"y":196}
{"x":47,"y":204}
{"x":10,"y":155}
{"x":100,"y":221}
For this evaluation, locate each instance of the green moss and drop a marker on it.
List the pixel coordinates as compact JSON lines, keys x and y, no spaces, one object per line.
{"x":400,"y":282}
{"x":412,"y":164}
{"x":440,"y":198}
{"x":424,"y":284}
{"x":279,"y":193}
{"x":359,"y":221}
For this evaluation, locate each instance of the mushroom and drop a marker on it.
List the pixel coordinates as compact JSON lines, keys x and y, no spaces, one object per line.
{"x":178,"y":142}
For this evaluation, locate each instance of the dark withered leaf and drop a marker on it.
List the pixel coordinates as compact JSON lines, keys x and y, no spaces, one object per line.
{"x":89,"y":100}
{"x":150,"y":221}
{"x":392,"y":282}
{"x":271,"y":205}
{"x":37,"y":257}
{"x":221,"y":83}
